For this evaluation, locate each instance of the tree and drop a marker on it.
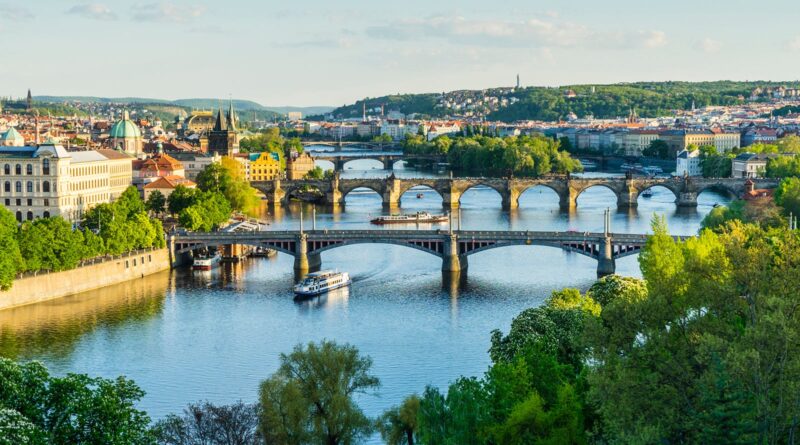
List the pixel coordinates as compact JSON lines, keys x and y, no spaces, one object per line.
{"x":209,"y":424}
{"x":398,"y":425}
{"x":657,"y":149}
{"x":74,"y":409}
{"x":180,"y":198}
{"x":156,"y":202}
{"x":315,"y":173}
{"x":214,"y":178}
{"x":788,"y":195}
{"x":10,"y":258}
{"x":310,"y":398}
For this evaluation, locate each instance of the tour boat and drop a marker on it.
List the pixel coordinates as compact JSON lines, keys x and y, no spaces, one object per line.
{"x":416,"y":218}
{"x":420,"y":195}
{"x":317,"y":283}
{"x":647,"y":194}
{"x":206,"y":262}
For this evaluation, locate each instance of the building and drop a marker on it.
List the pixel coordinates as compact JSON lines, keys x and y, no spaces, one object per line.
{"x":298,"y":165}
{"x":48,"y":180}
{"x":265,"y":166}
{"x":678,"y":140}
{"x":223,"y":139}
{"x":759,"y":136}
{"x":11,"y":138}
{"x":198,"y":122}
{"x":166,"y":185}
{"x":294,"y":116}
{"x":688,"y":163}
{"x":125,"y":135}
{"x":635,"y":142}
{"x":750,"y":165}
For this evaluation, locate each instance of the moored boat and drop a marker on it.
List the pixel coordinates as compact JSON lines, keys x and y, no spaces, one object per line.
{"x":206,"y":262}
{"x":416,"y":218}
{"x":317,"y":283}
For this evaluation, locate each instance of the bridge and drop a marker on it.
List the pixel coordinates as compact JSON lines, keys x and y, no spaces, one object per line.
{"x":568,"y":189}
{"x":453,"y":247}
{"x":339,"y":145}
{"x":387,"y":159}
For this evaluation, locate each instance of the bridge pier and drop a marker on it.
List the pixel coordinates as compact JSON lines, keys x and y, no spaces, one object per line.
{"x":276,"y":195}
{"x":510,"y":200}
{"x":569,"y":199}
{"x":606,"y":265}
{"x":687,"y":199}
{"x":628,"y":198}
{"x":452,"y":261}
{"x":303,"y":262}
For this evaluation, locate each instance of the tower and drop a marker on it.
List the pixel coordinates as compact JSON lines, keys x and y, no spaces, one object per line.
{"x":29,"y":101}
{"x":364,"y":111}
{"x":517,"y":81}
{"x":223,"y":138}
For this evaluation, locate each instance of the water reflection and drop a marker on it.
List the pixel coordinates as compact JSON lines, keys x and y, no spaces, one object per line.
{"x":332,"y":300}
{"x":52,"y":328}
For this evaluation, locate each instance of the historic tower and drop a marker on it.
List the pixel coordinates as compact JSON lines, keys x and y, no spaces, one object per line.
{"x":223,"y":138}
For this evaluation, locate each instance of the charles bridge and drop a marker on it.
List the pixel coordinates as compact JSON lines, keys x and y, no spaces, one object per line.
{"x":568,"y":189}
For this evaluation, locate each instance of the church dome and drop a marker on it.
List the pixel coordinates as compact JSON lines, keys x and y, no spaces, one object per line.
{"x":125,"y":128}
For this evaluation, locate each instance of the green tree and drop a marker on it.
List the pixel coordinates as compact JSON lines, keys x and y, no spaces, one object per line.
{"x":657,"y":149}
{"x":181,"y":198}
{"x":74,"y":409}
{"x":10,"y":258}
{"x":315,"y":173}
{"x":398,"y":425}
{"x":156,"y":202}
{"x":788,"y":195}
{"x":310,"y":398}
{"x":214,"y":178}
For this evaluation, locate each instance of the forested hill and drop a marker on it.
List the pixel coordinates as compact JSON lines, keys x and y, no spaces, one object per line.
{"x":650,"y":99}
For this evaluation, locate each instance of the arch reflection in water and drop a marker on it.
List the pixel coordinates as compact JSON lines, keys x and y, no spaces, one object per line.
{"x":53,"y":328}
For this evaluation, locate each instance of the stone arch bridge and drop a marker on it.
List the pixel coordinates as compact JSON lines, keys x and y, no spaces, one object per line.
{"x":627,"y":190}
{"x":453,"y":247}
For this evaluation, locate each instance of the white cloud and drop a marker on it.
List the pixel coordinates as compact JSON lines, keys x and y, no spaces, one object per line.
{"x":708,"y":45}
{"x":167,"y":12}
{"x":96,"y":11}
{"x":533,"y":32}
{"x":794,"y":44}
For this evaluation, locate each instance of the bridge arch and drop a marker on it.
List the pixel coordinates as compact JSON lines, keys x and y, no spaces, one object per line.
{"x":600,"y":185}
{"x":291,"y":191}
{"x":407,"y":193}
{"x":588,"y":252}
{"x":501,"y":193}
{"x":718,"y":187}
{"x":529,"y":190}
{"x":280,"y":248}
{"x":374,"y":161}
{"x":432,"y":247}
{"x":675,"y":193}
{"x":325,"y":164}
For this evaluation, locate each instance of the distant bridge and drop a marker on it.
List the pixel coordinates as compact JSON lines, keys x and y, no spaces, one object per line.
{"x":453,"y":247}
{"x":387,"y":159}
{"x":627,"y":190}
{"x":339,"y":145}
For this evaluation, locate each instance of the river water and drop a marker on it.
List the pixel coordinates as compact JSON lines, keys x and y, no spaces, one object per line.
{"x":214,"y":336}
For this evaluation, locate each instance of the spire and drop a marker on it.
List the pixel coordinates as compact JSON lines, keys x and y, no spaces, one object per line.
{"x":222,"y":123}
{"x":231,"y":117}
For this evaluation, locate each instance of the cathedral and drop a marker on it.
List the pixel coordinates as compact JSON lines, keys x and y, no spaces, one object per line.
{"x":223,"y":139}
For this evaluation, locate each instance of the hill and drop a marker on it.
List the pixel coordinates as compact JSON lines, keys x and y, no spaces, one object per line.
{"x":240,"y":105}
{"x":650,"y":99}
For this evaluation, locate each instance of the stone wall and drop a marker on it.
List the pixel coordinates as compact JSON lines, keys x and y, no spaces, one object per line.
{"x":47,"y":286}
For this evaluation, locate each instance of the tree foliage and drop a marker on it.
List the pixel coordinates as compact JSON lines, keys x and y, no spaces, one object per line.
{"x":398,"y":425}
{"x":10,"y":258}
{"x":72,"y":410}
{"x":209,"y":424}
{"x":310,"y":398}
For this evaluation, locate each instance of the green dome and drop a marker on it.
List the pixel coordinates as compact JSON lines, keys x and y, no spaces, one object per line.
{"x":125,"y":129}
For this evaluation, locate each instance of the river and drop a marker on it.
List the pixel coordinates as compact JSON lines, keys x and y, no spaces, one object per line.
{"x":214,"y":336}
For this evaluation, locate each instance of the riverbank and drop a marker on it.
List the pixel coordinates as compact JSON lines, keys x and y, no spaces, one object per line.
{"x":102,"y":272}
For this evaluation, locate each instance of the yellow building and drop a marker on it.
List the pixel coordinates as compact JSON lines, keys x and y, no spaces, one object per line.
{"x":266,"y":167}
{"x":298,"y":165}
{"x":679,"y":140}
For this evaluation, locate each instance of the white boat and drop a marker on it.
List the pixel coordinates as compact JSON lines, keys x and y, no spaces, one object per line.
{"x":206,"y":262}
{"x":416,"y":218}
{"x":317,"y":283}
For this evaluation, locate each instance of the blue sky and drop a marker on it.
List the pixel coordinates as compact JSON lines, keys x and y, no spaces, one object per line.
{"x":317,"y":52}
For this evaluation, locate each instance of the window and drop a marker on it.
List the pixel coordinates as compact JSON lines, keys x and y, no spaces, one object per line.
{"x":18,"y":187}
{"x":7,"y":169}
{"x":19,"y":202}
{"x":7,"y":186}
{"x":19,"y":216}
{"x":29,"y":187}
{"x":30,"y":216}
{"x":134,"y":262}
{"x":46,"y":214}
{"x":47,"y":203}
{"x":46,"y":186}
{"x":30,"y":202}
{"x":127,"y":264}
{"x":29,"y":169}
{"x":46,"y":167}
{"x":18,"y":169}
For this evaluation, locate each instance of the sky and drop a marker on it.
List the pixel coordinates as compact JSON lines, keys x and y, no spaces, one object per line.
{"x":334,"y":52}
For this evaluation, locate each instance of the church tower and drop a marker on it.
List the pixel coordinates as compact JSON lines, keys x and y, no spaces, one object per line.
{"x":223,"y":138}
{"x":29,"y":101}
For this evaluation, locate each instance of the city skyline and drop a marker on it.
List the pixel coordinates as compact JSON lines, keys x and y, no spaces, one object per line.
{"x":319,"y":55}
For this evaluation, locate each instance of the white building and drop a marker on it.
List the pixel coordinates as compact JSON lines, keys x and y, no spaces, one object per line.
{"x":688,"y":163}
{"x":750,"y":165}
{"x":45,"y":181}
